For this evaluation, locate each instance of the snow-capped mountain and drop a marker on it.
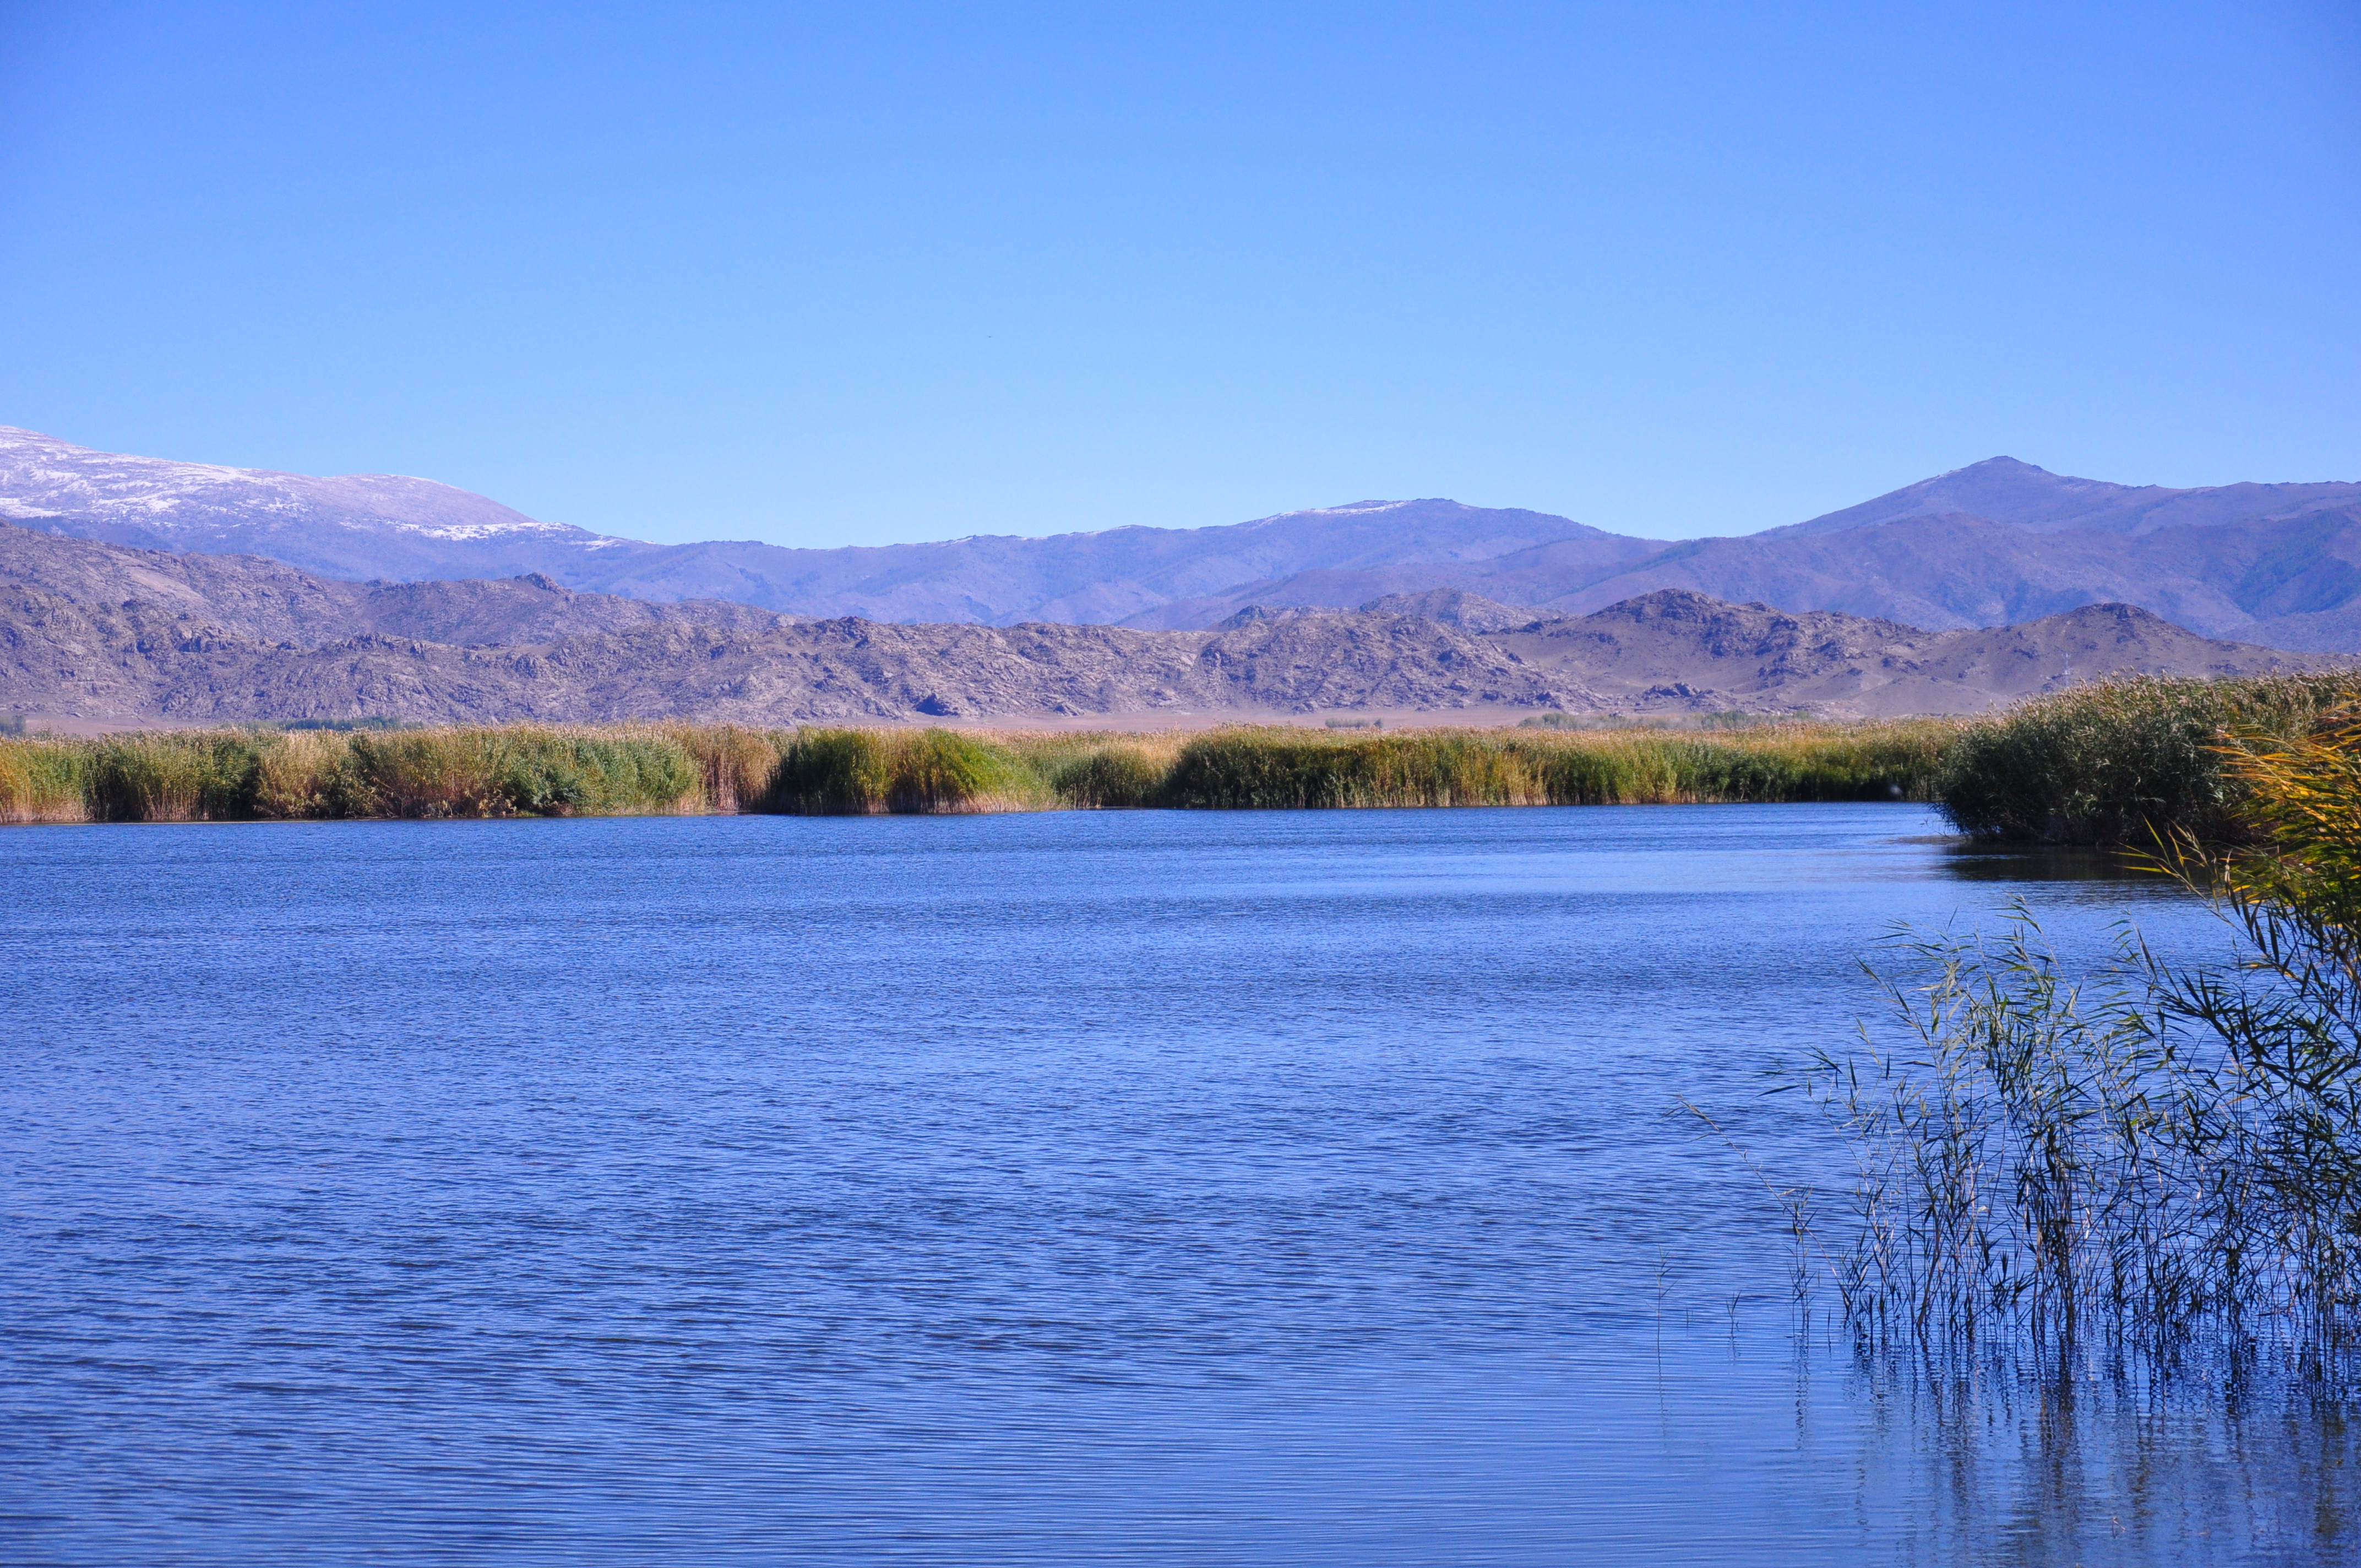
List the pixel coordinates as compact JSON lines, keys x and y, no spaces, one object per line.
{"x":355,"y":526}
{"x":369,"y":526}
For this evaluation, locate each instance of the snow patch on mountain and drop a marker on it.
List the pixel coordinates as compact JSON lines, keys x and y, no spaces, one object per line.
{"x":46,"y":477}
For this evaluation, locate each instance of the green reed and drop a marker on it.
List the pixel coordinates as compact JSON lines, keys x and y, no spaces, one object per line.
{"x":856,"y":770}
{"x":506,"y":770}
{"x":2151,"y":1159}
{"x":1285,"y":768}
{"x":523,"y":770}
{"x":44,"y":781}
{"x":2117,"y":761}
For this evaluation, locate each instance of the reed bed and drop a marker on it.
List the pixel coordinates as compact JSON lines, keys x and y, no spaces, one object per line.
{"x":2151,"y":1160}
{"x":2118,"y":762}
{"x":528,"y":770}
{"x":1786,"y":762}
{"x":44,"y":781}
{"x":839,"y":770}
{"x":1281,"y":768}
{"x":231,"y":775}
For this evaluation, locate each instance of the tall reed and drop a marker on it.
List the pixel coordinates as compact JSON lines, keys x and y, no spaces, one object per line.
{"x":2117,"y":761}
{"x":44,"y":781}
{"x":1288,"y":768}
{"x":307,"y":773}
{"x":857,"y":770}
{"x":739,"y":767}
{"x":518,"y":771}
{"x":559,"y":769}
{"x":1115,"y":777}
{"x":176,"y":776}
{"x":2150,"y":1158}
{"x":515,"y":770}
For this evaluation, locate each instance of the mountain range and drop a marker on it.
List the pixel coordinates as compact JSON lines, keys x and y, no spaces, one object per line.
{"x":105,"y":635}
{"x":2000,"y":542}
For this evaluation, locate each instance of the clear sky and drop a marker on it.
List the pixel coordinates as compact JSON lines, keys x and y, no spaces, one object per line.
{"x":859,"y":273}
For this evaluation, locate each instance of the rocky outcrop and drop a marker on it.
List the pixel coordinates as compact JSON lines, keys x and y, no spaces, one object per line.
{"x":99,"y":632}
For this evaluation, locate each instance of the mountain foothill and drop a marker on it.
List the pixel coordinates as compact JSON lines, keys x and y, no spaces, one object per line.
{"x":138,"y":590}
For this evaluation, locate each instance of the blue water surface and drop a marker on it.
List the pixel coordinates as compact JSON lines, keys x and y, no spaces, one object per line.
{"x":1074,"y":1187}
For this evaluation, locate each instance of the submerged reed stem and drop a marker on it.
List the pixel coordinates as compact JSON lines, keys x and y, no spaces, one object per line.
{"x":2153,"y":1159}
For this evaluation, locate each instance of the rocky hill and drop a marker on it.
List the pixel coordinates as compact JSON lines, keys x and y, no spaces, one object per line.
{"x":263,"y":600}
{"x":1996,"y":543}
{"x":1674,"y":648}
{"x":101,"y":633}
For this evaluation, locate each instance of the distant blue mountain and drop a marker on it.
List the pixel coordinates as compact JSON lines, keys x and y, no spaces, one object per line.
{"x":1998,"y":542}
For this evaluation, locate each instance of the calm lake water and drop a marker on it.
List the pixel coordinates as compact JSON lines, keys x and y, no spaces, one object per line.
{"x":1147,"y":1186}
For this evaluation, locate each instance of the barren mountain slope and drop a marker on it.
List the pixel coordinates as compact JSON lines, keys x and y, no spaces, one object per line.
{"x":2285,"y":582}
{"x":99,"y":632}
{"x":1455,"y":607}
{"x":248,"y":597}
{"x":1675,"y":649}
{"x":2022,"y":496}
{"x":2263,"y":582}
{"x":1122,"y":576}
{"x":244,"y":596}
{"x":1993,"y":543}
{"x":535,"y":608}
{"x":56,"y":660}
{"x":1938,"y":572}
{"x":140,"y":636}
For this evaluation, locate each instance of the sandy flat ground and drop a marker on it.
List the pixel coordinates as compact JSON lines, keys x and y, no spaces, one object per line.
{"x":35,"y":723}
{"x":1160,"y":720}
{"x":1147,"y":721}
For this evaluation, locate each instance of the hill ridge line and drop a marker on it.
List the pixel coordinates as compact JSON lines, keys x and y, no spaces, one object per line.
{"x":1992,"y":542}
{"x":96,"y":633}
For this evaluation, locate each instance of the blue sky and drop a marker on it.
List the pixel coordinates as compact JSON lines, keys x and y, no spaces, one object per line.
{"x":863,"y":273}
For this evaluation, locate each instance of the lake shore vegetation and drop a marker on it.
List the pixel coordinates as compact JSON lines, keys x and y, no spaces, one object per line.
{"x":2114,"y":764}
{"x":2119,"y":762}
{"x":541,"y":770}
{"x":2147,"y":1158}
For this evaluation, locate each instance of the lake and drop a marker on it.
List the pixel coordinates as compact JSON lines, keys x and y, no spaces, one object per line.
{"x":1074,"y":1187}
